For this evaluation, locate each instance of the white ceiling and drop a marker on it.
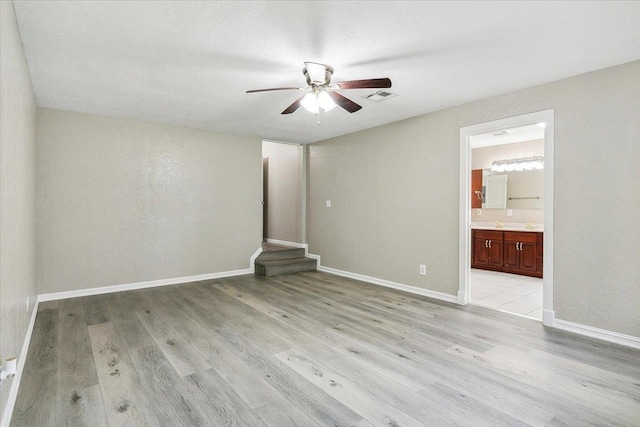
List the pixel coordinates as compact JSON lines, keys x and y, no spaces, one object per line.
{"x":507,"y":136}
{"x":190,"y":63}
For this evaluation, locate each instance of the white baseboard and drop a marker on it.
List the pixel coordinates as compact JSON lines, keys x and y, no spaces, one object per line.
{"x":15,"y":384}
{"x":389,"y":284}
{"x":548,"y":317}
{"x":252,"y":260}
{"x":462,"y":298}
{"x":286,"y":243}
{"x":602,"y":334}
{"x":140,"y":285}
{"x":151,"y":283}
{"x":313,"y":256}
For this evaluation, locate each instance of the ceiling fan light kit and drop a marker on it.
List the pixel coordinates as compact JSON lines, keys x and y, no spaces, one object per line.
{"x":323,"y":95}
{"x":315,"y":100}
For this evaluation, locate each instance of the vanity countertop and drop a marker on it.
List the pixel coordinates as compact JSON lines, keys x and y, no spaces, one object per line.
{"x":537,"y":228}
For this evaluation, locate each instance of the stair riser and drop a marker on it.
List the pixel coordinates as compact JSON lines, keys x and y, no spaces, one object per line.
{"x":276,"y":255}
{"x":275,"y":270}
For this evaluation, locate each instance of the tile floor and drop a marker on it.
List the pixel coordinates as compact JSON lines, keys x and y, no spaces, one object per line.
{"x":507,"y":292}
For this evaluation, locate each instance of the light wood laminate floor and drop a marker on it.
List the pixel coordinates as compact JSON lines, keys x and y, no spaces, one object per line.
{"x":312,"y":349}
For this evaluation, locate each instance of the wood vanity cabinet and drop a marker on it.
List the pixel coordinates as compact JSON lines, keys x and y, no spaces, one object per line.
{"x":520,"y":252}
{"x":487,"y":249}
{"x":517,"y":252}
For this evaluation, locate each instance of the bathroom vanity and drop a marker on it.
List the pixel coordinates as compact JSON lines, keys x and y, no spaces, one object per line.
{"x":516,"y":251}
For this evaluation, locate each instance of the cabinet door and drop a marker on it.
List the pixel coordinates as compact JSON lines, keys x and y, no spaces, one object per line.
{"x":480,"y":252}
{"x":511,"y":255}
{"x":528,"y":257}
{"x":495,"y":253}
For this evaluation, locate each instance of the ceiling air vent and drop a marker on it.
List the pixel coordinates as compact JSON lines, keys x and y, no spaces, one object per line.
{"x":500,"y":133}
{"x":380,"y":95}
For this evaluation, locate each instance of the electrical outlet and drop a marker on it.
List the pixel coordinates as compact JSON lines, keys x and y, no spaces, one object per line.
{"x":423,"y":270}
{"x":479,"y":212}
{"x":509,"y":212}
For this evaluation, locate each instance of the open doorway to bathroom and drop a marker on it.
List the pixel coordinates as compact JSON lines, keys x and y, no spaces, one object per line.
{"x":506,"y":220}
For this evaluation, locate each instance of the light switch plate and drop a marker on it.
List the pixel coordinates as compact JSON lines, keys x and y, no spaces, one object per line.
{"x":509,"y":212}
{"x":423,"y":270}
{"x":328,"y":203}
{"x":479,"y":212}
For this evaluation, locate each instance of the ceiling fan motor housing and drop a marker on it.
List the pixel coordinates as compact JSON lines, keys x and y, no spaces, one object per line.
{"x":316,"y":73}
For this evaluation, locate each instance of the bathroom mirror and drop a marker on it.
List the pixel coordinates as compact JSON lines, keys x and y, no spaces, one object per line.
{"x":513,"y":190}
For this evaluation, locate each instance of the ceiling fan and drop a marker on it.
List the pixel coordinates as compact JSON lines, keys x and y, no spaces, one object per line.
{"x":323,"y":93}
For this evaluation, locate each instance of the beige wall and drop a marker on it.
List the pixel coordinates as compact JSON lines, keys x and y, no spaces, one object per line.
{"x":481,"y":158}
{"x":284,"y":200}
{"x":395,"y":195}
{"x":123,"y":201}
{"x":17,"y":193}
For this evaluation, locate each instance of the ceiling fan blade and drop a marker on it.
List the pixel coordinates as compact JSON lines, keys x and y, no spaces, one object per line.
{"x":365,"y":84}
{"x":275,"y":88}
{"x":344,"y":102}
{"x":293,"y":107}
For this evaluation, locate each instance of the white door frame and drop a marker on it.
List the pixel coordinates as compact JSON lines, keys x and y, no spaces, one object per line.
{"x":546,"y":116}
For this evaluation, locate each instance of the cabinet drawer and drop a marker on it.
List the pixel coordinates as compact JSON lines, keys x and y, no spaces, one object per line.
{"x":488,"y":234}
{"x":521,"y":236}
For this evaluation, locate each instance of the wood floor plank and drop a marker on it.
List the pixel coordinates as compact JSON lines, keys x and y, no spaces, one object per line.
{"x":274,"y":327}
{"x":375,"y":410}
{"x":76,"y":366}
{"x":615,"y":414}
{"x":95,"y":309}
{"x":220,"y":405}
{"x":182,"y":356}
{"x":81,"y":407}
{"x":165,"y":389}
{"x":43,"y":348}
{"x":37,"y":398}
{"x":312,"y":349}
{"x":282,"y":413}
{"x":121,"y":308}
{"x":243,"y":319}
{"x":251,"y":388}
{"x":37,"y":395}
{"x":474,"y":411}
{"x":395,"y":393}
{"x":124,"y":398}
{"x":315,"y":403}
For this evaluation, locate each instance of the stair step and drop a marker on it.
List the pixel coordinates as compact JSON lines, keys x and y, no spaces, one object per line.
{"x":285,"y":266}
{"x":281,"y":254}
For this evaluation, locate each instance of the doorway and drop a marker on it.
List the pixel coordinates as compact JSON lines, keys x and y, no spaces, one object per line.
{"x":496,"y":283}
{"x":284,"y":193}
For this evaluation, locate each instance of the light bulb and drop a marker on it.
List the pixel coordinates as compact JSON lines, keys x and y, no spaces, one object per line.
{"x":310,"y":103}
{"x":325,"y":101}
{"x":509,"y":166}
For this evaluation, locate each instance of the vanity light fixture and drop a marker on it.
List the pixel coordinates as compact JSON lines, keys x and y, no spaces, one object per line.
{"x":519,"y":164}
